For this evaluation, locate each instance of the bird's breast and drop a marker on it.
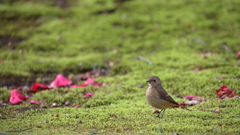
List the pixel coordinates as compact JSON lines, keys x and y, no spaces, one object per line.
{"x":153,"y":99}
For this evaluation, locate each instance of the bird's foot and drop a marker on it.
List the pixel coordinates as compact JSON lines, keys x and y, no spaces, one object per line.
{"x":160,"y":117}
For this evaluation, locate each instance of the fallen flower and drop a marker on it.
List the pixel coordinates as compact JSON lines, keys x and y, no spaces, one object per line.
{"x":88,"y":95}
{"x":34,"y":102}
{"x":60,"y":81}
{"x":73,"y":86}
{"x":198,"y":98}
{"x":225,"y":88}
{"x":83,"y":85}
{"x":193,"y":102}
{"x":77,"y":106}
{"x":225,"y":92}
{"x":16,"y":97}
{"x":90,"y":81}
{"x":37,"y":87}
{"x":189,"y":97}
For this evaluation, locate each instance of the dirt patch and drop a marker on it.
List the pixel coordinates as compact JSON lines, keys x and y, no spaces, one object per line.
{"x":14,"y":82}
{"x":9,"y":42}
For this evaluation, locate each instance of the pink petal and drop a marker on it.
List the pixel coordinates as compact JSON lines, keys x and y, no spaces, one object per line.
{"x":189,"y":97}
{"x":34,"y":102}
{"x":37,"y":87}
{"x":225,"y":88}
{"x":27,"y":96}
{"x":97,"y":84}
{"x":60,"y":81}
{"x":73,"y":86}
{"x":77,"y":106}
{"x":238,"y":53}
{"x":82,"y":85}
{"x":88,"y":95}
{"x":193,"y":102}
{"x":89,"y":81}
{"x":16,"y":97}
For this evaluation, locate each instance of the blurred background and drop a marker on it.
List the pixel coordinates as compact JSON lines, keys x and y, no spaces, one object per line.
{"x":39,"y":39}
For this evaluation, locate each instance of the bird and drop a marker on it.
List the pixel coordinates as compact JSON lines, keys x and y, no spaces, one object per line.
{"x":157,"y":97}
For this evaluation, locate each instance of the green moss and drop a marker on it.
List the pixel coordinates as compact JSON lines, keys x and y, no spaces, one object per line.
{"x":120,"y":69}
{"x":175,"y":36}
{"x":4,"y":94}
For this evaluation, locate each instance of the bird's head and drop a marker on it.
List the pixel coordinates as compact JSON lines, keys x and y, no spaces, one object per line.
{"x":153,"y":81}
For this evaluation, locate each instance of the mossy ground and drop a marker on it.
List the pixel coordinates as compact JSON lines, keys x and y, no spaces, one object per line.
{"x":176,"y":36}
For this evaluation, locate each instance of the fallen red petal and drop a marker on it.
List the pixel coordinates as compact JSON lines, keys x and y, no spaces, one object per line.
{"x":225,"y":88}
{"x":90,"y":81}
{"x":224,"y":92}
{"x":189,"y":97}
{"x":16,"y":97}
{"x":88,"y":95}
{"x":60,"y":81}
{"x":37,"y":87}
{"x":73,"y":86}
{"x":77,"y":106}
{"x":82,"y":85}
{"x":193,"y":102}
{"x":34,"y":102}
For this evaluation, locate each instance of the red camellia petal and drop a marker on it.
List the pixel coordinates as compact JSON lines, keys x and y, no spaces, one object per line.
{"x":60,"y":81}
{"x":225,"y":92}
{"x":37,"y":87}
{"x":88,"y":95}
{"x":16,"y":97}
{"x":189,"y":97}
{"x":34,"y":102}
{"x":77,"y":106}
{"x":90,"y":81}
{"x":225,"y":88}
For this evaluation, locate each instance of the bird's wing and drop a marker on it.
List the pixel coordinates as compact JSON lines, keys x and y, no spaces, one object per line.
{"x":162,"y":94}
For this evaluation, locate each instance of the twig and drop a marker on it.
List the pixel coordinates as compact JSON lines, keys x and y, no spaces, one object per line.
{"x":144,"y":59}
{"x":225,"y":47}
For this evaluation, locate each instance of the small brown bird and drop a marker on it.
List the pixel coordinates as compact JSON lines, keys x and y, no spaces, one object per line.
{"x":158,"y":97}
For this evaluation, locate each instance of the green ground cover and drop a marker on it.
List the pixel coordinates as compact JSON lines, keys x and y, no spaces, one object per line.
{"x":39,"y":38}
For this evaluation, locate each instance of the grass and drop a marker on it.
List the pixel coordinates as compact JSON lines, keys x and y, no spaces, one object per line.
{"x":176,"y":36}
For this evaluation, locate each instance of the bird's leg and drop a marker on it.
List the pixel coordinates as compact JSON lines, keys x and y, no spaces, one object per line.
{"x":162,"y":113}
{"x":159,"y":114}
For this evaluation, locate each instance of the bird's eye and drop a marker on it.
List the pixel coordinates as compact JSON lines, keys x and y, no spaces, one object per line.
{"x":154,"y":80}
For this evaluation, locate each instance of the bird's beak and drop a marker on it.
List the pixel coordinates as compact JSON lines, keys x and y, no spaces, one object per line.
{"x":147,"y":81}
